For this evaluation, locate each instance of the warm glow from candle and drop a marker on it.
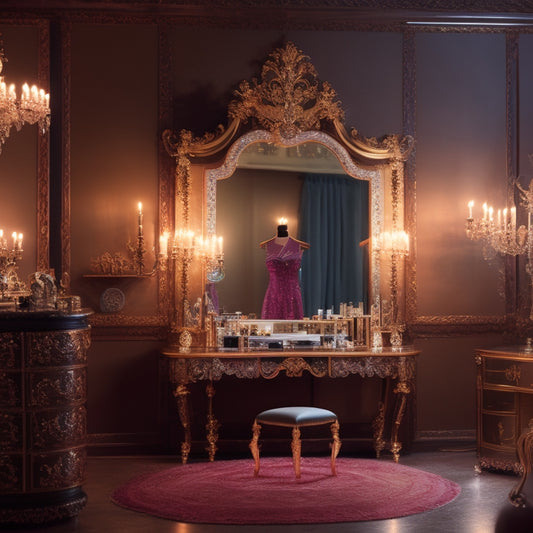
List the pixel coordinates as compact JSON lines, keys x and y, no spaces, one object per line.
{"x":140,"y":208}
{"x":282,"y":221}
{"x":470,"y":206}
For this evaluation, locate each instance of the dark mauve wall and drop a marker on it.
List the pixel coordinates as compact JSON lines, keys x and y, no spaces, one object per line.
{"x":115,"y":132}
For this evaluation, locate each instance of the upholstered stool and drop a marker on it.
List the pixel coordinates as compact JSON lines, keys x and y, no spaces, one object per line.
{"x":296,"y":417}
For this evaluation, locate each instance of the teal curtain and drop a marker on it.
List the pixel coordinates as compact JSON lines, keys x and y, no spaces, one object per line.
{"x":334,"y":221}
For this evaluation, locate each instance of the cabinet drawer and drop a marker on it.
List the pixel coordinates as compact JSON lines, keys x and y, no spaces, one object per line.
{"x":511,"y":373}
{"x":497,"y":400}
{"x":499,"y":430}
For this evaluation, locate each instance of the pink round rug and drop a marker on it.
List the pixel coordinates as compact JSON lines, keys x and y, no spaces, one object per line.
{"x":225,"y":492}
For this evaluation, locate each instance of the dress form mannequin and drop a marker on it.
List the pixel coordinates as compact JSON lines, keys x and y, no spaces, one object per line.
{"x":283,"y":299}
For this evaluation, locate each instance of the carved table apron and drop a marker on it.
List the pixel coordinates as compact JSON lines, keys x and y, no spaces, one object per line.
{"x":186,"y":368}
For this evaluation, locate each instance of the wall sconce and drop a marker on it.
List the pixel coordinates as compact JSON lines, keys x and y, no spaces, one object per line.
{"x":501,"y":233}
{"x":117,"y":264}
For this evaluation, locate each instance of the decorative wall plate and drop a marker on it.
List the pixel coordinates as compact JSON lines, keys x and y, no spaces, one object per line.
{"x":112,"y":300}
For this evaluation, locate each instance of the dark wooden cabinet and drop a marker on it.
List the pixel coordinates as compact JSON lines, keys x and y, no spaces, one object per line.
{"x":504,"y":405}
{"x":43,"y":384}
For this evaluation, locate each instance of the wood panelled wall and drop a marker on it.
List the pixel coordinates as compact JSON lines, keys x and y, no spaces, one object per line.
{"x":124,"y":78}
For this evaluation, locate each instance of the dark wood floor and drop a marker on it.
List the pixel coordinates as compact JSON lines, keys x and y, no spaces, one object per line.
{"x":474,"y":511}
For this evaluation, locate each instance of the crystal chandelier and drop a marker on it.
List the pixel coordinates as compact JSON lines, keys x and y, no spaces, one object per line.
{"x":32,"y":107}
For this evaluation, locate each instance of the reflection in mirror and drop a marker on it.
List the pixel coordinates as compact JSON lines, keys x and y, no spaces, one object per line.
{"x":323,"y":206}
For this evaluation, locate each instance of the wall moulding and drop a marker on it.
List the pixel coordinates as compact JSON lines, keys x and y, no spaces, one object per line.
{"x":458,"y":325}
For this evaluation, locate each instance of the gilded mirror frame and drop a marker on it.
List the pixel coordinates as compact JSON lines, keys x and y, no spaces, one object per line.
{"x":287,"y":105}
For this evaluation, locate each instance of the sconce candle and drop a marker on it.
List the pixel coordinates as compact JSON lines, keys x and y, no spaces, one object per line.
{"x":140,"y":219}
{"x":470,"y":206}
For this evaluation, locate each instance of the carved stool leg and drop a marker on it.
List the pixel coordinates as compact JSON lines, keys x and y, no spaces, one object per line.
{"x":335,"y":445}
{"x":254,"y":447}
{"x":296,"y":446}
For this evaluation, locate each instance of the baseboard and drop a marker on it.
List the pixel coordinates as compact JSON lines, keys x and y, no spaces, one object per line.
{"x":454,"y":439}
{"x":99,"y":444}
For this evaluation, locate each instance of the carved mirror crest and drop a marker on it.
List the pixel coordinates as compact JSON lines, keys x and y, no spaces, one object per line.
{"x":288,"y":107}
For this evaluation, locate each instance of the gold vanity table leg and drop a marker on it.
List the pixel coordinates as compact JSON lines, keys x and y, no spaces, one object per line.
{"x":335,"y":445}
{"x":296,"y":446}
{"x":212,"y":424}
{"x":254,"y":447}
{"x":182,"y":395}
{"x":402,"y":390}
{"x":378,"y":424}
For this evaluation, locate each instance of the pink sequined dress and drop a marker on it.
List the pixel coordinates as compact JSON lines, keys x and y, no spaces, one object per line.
{"x":283,"y":298}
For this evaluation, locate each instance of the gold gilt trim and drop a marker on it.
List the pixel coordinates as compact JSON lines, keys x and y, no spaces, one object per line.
{"x":287,"y":102}
{"x":289,"y":98}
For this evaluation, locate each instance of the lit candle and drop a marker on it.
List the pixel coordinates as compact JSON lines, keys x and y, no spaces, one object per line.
{"x":470,"y":206}
{"x":513,"y":217}
{"x":282,"y":221}
{"x":20,"y":241}
{"x":220,"y":246}
{"x":140,"y":219}
{"x":163,"y":244}
{"x":14,"y":235}
{"x":499,"y":218}
{"x":485,"y":211}
{"x":491,"y":211}
{"x":25,"y":92}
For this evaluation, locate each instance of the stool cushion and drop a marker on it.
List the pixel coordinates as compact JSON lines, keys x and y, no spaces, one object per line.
{"x":296,"y":416}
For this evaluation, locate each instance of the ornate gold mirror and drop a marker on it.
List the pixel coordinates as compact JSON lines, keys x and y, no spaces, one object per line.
{"x":287,"y":108}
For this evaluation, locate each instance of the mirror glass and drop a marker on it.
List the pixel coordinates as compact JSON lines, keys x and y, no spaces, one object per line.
{"x":265,"y":186}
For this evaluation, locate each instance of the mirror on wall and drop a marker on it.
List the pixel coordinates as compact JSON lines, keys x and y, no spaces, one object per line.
{"x":284,"y":127}
{"x":307,"y":186}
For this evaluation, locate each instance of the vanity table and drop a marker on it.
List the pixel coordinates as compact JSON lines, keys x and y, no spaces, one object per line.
{"x":397,"y":366}
{"x":504,"y":406}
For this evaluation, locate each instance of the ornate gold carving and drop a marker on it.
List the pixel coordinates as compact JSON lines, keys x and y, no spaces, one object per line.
{"x":43,"y":166}
{"x":287,"y":106}
{"x":512,"y":373}
{"x":289,"y":98}
{"x":212,"y":424}
{"x":58,"y":347}
{"x":182,"y":396}
{"x":293,"y":367}
{"x":10,"y":349}
{"x":10,"y":431}
{"x":10,"y":390}
{"x":52,"y":429}
{"x":62,"y":469}
{"x":378,"y":426}
{"x":109,"y":263}
{"x":524,"y":449}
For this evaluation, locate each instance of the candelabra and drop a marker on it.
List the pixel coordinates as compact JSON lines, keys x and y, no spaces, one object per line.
{"x":395,"y":245}
{"x":182,"y":248}
{"x":499,"y":232}
{"x":10,"y":285}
